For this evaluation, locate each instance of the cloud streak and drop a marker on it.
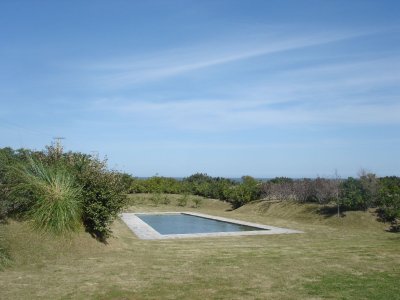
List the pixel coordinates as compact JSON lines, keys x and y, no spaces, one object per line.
{"x":228,"y":116}
{"x":128,"y":71}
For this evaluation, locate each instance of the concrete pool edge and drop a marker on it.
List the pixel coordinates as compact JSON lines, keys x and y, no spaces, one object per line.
{"x":144,"y":231}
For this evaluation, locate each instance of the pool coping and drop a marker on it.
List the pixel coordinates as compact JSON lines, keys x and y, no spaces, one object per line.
{"x":145,"y":232}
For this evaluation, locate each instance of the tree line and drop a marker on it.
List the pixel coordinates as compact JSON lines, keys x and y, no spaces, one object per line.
{"x":361,"y":193}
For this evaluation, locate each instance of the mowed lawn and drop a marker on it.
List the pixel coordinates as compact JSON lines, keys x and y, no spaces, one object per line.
{"x":352,"y":257}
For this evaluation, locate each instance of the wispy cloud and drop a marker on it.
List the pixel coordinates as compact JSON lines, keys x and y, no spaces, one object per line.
{"x":331,"y":90}
{"x":131,"y":70}
{"x":225,"y":115}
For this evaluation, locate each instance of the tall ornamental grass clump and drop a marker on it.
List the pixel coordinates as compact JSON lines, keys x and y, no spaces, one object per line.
{"x":56,"y":199}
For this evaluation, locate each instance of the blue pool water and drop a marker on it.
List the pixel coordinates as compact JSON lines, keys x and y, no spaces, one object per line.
{"x":184,"y":224}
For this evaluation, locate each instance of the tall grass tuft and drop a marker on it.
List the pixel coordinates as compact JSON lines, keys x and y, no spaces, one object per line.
{"x":57,"y":205}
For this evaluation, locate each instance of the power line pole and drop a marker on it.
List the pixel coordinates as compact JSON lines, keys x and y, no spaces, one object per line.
{"x":95,"y":153}
{"x":57,"y":144}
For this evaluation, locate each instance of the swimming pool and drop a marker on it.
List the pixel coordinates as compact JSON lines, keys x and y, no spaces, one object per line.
{"x":188,"y":224}
{"x":180,"y":223}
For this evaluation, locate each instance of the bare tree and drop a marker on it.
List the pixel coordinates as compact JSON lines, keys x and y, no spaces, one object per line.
{"x":336,"y":188}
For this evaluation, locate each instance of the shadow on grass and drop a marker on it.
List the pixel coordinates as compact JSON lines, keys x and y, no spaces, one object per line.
{"x":266,"y":204}
{"x":330,"y":211}
{"x":394,"y":223}
{"x":393,"y":229}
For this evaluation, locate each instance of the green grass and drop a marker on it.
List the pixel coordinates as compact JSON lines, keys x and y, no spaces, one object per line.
{"x":4,"y":255}
{"x":378,"y":285}
{"x":336,"y":258}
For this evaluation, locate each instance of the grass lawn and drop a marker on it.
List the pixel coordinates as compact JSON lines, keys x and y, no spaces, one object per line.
{"x":352,"y":257}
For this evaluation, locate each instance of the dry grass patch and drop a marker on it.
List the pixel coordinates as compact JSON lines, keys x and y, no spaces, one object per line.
{"x":349,"y":253}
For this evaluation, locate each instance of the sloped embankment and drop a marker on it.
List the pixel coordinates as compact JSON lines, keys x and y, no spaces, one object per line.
{"x":310,"y":213}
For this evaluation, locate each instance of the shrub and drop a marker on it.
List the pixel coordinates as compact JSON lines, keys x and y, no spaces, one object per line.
{"x":166,"y":200}
{"x":138,"y":186}
{"x":389,"y":200}
{"x":156,"y":198}
{"x":199,"y":184}
{"x":325,"y":190}
{"x":182,"y":200}
{"x":155,"y":184}
{"x":278,"y":180}
{"x":12,"y":204}
{"x":351,"y":194}
{"x":248,"y":190}
{"x":127,"y":181}
{"x":102,"y":192}
{"x":370,"y":185}
{"x":197,"y":201}
{"x":278,"y":190}
{"x":320,"y":190}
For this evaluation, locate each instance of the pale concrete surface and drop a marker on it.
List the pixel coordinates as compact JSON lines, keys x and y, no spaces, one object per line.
{"x":146,"y":232}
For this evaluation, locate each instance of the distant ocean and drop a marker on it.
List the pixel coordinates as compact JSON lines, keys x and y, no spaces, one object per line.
{"x":237,"y":179}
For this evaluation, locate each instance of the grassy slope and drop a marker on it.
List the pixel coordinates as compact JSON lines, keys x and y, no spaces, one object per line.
{"x":350,"y":257}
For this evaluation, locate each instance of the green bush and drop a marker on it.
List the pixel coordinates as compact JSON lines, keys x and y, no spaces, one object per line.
{"x":197,"y":201}
{"x":352,"y":195}
{"x":127,"y":181}
{"x":248,"y":190}
{"x":156,"y":199}
{"x":389,"y":200}
{"x":280,"y":180}
{"x":182,"y":200}
{"x":166,"y":200}
{"x":156,"y":184}
{"x":370,"y":187}
{"x":102,"y":192}
{"x":209,"y":187}
{"x":12,"y":203}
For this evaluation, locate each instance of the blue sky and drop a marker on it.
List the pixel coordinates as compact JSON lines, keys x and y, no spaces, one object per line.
{"x":228,"y":88}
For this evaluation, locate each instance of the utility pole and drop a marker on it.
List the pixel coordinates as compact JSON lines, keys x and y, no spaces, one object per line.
{"x":57,"y":144}
{"x":95,"y":153}
{"x":337,"y":191}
